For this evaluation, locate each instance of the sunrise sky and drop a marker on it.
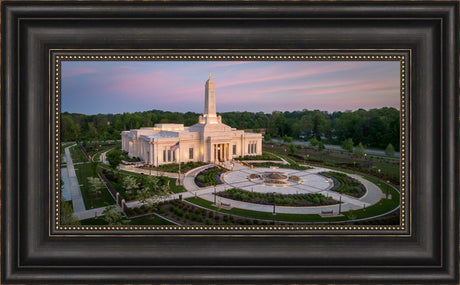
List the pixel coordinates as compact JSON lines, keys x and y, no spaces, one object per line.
{"x":92,"y":87}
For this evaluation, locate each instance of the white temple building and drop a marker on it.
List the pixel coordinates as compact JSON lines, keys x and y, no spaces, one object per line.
{"x":209,"y":140}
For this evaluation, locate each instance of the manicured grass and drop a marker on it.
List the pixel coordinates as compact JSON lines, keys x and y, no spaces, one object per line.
{"x":256,"y":214}
{"x":77,"y":155}
{"x":174,"y":167}
{"x":84,"y":171}
{"x":291,"y":200}
{"x":96,"y":155}
{"x":207,"y":177}
{"x":345,"y":184}
{"x":172,"y":182}
{"x":379,"y":208}
{"x":264,"y":156}
{"x":145,"y":220}
{"x":290,"y":166}
{"x":388,"y":169}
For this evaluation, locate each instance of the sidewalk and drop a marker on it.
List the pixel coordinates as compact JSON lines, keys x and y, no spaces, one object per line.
{"x":77,"y":198}
{"x":71,"y":190}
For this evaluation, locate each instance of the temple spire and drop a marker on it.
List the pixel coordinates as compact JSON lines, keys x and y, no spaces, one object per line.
{"x":210,"y":98}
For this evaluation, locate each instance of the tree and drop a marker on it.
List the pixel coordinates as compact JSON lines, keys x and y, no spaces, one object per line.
{"x":114,"y":158}
{"x":347,"y":145}
{"x":113,"y":216}
{"x":152,"y":191}
{"x":287,"y":139}
{"x":320,"y":146}
{"x":267,"y":137}
{"x":292,"y":149}
{"x":359,"y":150}
{"x":314,"y":142}
{"x":130,"y":183}
{"x":390,"y":150}
{"x":95,"y":185}
{"x":67,"y":216}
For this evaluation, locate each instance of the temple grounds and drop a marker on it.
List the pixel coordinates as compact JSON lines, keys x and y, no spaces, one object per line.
{"x":312,"y":183}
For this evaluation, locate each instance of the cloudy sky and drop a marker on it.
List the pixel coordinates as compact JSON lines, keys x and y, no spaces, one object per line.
{"x":92,"y":87}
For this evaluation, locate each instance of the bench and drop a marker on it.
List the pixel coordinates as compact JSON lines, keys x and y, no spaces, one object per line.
{"x":226,"y":205}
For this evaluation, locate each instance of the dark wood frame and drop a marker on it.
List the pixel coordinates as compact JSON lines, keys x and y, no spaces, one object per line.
{"x":33,"y":253}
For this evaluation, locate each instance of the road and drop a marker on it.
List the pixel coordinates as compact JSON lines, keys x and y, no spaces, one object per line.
{"x":339,"y":148}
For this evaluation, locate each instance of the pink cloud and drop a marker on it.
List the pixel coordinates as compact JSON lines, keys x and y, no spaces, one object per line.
{"x":267,"y":74}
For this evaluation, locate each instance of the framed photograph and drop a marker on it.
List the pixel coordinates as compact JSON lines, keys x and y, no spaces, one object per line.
{"x":230,"y":142}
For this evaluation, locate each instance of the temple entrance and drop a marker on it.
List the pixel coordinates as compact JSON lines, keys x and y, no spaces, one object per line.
{"x":221,"y":152}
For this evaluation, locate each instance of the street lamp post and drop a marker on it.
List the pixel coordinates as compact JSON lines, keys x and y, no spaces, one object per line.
{"x":379,"y":171}
{"x":274,"y":203}
{"x":215,"y":195}
{"x":388,"y":189}
{"x":340,"y":205}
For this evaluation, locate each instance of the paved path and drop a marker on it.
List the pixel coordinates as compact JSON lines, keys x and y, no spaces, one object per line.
{"x":71,"y":189}
{"x":315,"y":183}
{"x":339,"y":148}
{"x":90,"y":213}
{"x":77,"y":198}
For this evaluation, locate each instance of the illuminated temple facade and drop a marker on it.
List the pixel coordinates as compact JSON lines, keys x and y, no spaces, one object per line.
{"x":209,"y":140}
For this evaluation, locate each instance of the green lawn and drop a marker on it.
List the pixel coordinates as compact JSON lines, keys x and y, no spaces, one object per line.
{"x":279,"y":165}
{"x":84,"y":171}
{"x":145,"y":220}
{"x":172,"y":181}
{"x":96,"y":155}
{"x":380,"y":208}
{"x":388,"y":169}
{"x":174,"y":167}
{"x":77,"y":155}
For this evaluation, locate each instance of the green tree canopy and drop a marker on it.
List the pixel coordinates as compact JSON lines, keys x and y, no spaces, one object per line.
{"x":390,"y":150}
{"x":67,"y":216}
{"x":347,"y":145}
{"x":95,"y":185}
{"x":114,"y":158}
{"x":113,"y":215}
{"x":359,"y":150}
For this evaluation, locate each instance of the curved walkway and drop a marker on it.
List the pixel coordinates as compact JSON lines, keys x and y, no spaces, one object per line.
{"x":314,"y":183}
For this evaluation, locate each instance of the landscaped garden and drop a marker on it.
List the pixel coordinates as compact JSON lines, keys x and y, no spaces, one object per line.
{"x":94,"y":195}
{"x":345,"y":184}
{"x":280,"y":165}
{"x":130,"y":185}
{"x":209,"y":177}
{"x":292,"y":200}
{"x":384,"y":168}
{"x":174,"y":167}
{"x":149,"y":219}
{"x":184,"y":213}
{"x":77,"y":155}
{"x":95,"y":149}
{"x":264,"y":156}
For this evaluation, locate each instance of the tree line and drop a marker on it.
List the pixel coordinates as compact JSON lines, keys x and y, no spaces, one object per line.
{"x":374,"y":128}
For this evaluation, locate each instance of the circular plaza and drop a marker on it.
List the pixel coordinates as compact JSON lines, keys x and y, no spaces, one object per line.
{"x":286,"y":181}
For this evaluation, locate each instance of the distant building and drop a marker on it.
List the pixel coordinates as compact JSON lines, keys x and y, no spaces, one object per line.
{"x":209,"y":140}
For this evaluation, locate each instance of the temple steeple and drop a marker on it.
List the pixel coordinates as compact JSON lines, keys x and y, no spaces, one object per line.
{"x":210,"y":98}
{"x":209,"y":114}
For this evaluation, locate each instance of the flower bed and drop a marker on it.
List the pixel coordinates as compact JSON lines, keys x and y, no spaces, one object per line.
{"x":185,"y":213}
{"x":209,"y":177}
{"x":345,"y":184}
{"x":292,"y":200}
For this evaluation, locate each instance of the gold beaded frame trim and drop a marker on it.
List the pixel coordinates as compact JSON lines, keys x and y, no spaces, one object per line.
{"x":403,"y":56}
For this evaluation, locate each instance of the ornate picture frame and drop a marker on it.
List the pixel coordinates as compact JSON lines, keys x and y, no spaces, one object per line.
{"x":37,"y":249}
